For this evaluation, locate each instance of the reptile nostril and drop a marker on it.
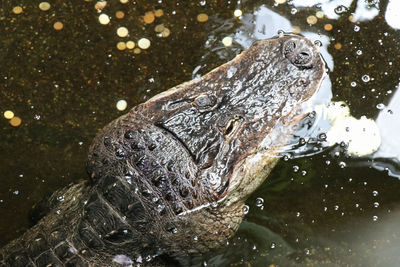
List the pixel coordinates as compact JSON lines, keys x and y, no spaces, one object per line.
{"x":299,"y":53}
{"x":303,"y":58}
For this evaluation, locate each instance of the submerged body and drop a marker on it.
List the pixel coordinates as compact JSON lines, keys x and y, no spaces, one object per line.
{"x":171,"y":176}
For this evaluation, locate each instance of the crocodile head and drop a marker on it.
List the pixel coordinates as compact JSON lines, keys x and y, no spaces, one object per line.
{"x":193,"y":154}
{"x":234,"y":119}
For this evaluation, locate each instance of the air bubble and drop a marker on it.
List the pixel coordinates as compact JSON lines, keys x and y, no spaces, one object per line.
{"x":356,"y":28}
{"x":318,"y":43}
{"x":380,"y":106}
{"x":374,"y":193}
{"x":342,"y":164}
{"x":374,"y":218}
{"x":273,"y":245}
{"x":259,"y":202}
{"x":296,"y":168}
{"x":246,"y":209}
{"x":376,"y":204}
{"x":293,"y":11}
{"x":359,"y":52}
{"x":365,"y":78}
{"x":340,"y":9}
{"x":353,"y":84}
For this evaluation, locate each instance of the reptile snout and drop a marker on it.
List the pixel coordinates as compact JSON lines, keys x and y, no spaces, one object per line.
{"x":299,"y":52}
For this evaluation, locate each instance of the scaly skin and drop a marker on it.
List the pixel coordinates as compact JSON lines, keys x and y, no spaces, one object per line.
{"x":170,"y":178}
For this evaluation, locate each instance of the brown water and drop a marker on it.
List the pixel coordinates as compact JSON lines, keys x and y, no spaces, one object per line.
{"x":64,"y":85}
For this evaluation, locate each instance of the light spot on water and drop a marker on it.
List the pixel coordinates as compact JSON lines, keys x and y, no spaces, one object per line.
{"x":158,"y":13}
{"x":202,"y":17}
{"x":319,"y":14}
{"x":58,"y":26}
{"x":15,"y":121}
{"x":100,"y":5}
{"x":104,"y":19}
{"x":130,"y":44}
{"x":144,"y":43}
{"x":312,"y":20}
{"x":149,"y":17}
{"x":121,"y":45}
{"x":237,"y":13}
{"x":44,"y":6}
{"x":17,"y":10}
{"x":119,"y":14}
{"x":328,"y":27}
{"x":338,"y":46}
{"x":121,"y":105}
{"x":8,"y":114}
{"x":122,"y":32}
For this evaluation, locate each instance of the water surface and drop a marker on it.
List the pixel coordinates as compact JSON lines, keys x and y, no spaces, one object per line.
{"x":320,"y":208}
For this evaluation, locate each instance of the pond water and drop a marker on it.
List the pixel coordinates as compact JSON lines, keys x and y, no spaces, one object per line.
{"x":63,"y":71}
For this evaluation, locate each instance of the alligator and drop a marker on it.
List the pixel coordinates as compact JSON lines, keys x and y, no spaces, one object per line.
{"x":170,"y":178}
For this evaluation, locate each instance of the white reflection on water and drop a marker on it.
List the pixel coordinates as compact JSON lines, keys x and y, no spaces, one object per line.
{"x":262,"y":24}
{"x":388,"y":121}
{"x":392,"y":15}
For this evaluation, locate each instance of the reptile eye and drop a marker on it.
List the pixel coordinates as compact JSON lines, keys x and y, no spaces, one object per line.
{"x":231,"y":126}
{"x":204,"y":101}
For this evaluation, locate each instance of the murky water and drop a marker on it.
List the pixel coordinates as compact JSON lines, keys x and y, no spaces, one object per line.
{"x":324,"y":208}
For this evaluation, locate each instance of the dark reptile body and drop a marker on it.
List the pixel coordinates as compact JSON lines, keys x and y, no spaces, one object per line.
{"x":171,"y":176}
